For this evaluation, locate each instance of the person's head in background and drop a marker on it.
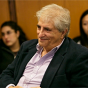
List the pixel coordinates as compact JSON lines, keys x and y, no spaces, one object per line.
{"x":53,"y":25}
{"x":12,"y":35}
{"x":84,"y":28}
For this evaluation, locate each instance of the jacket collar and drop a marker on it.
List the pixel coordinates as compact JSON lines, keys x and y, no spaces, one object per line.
{"x":55,"y":64}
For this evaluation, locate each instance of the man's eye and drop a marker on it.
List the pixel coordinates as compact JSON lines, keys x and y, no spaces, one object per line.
{"x":38,"y":26}
{"x":47,"y":29}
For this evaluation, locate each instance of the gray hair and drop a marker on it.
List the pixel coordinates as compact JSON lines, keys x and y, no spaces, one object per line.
{"x":59,"y":15}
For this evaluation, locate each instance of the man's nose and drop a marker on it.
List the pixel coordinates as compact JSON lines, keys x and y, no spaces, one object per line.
{"x":41,"y":33}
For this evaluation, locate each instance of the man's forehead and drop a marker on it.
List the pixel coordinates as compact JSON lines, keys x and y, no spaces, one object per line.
{"x":47,"y":22}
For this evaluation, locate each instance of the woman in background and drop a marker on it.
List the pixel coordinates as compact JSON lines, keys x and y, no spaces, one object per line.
{"x":12,"y":37}
{"x":83,"y":38}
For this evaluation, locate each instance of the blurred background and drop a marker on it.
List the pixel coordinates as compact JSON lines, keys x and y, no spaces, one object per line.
{"x":23,"y":12}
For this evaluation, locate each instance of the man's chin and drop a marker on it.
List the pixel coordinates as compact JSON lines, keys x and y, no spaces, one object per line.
{"x":42,"y":44}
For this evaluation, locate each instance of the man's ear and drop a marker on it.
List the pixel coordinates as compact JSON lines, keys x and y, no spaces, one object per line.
{"x":18,"y":34}
{"x":64,"y":33}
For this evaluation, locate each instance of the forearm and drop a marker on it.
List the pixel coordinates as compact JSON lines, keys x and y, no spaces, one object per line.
{"x":15,"y":87}
{"x":21,"y":87}
{"x":11,"y":87}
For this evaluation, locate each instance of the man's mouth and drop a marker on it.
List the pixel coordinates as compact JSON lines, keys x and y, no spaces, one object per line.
{"x":42,"y":39}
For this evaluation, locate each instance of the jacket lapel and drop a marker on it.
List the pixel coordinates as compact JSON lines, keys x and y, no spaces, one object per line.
{"x":54,"y":65}
{"x":27,"y":56}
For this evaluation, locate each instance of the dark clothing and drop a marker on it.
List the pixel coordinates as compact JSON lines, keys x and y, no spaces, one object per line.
{"x":77,"y":39}
{"x":68,"y":68}
{"x":6,"y":57}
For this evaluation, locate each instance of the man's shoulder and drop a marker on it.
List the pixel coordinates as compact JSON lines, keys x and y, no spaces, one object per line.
{"x":77,"y":47}
{"x":29,"y":43}
{"x":33,"y":41}
{"x":76,"y":39}
{"x":74,"y":50}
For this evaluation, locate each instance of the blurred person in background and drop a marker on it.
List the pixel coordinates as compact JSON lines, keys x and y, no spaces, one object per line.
{"x":12,"y":37}
{"x":83,"y":38}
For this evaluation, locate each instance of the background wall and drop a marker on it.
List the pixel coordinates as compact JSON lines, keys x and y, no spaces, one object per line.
{"x":4,"y":11}
{"x":26,"y":11}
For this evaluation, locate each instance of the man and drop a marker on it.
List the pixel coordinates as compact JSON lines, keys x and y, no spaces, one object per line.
{"x":52,"y":61}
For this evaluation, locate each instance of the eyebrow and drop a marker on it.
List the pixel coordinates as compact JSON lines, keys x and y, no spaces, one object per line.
{"x":44,"y":27}
{"x":38,"y":25}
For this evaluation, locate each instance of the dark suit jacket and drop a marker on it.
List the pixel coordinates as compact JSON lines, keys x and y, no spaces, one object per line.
{"x":6,"y":57}
{"x":68,"y":68}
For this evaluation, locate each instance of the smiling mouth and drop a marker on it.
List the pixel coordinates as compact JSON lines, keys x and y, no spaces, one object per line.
{"x":42,"y":39}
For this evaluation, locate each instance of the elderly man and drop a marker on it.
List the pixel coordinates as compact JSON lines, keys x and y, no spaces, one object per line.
{"x":52,"y":61}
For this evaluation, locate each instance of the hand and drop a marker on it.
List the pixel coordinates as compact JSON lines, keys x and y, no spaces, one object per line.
{"x":35,"y":87}
{"x":15,"y":87}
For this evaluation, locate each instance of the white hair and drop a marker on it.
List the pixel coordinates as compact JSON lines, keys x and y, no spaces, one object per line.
{"x":59,"y":15}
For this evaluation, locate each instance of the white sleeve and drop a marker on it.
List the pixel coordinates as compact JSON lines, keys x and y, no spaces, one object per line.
{"x":9,"y":85}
